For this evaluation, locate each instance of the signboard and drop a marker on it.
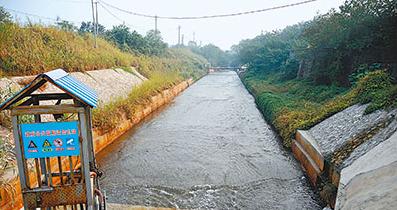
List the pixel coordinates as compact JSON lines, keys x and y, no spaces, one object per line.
{"x":53,"y":139}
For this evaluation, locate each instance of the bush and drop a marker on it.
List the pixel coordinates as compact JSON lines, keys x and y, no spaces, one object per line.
{"x":377,"y":89}
{"x":292,"y":105}
{"x":295,"y":104}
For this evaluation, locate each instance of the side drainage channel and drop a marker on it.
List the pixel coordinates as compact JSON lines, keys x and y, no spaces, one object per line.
{"x":324,"y":171}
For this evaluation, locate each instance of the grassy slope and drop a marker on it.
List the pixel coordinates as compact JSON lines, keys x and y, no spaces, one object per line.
{"x":297,"y":104}
{"x":34,"y":49}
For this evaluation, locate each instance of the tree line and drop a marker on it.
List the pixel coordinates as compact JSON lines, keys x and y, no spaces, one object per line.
{"x":126,"y":39}
{"x":333,"y":48}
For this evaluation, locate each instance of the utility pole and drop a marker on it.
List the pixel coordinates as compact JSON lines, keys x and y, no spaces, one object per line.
{"x":155,"y":24}
{"x":96,"y":18}
{"x":183,"y":35}
{"x":194,"y":36}
{"x":179,"y":35}
{"x":93,"y":22}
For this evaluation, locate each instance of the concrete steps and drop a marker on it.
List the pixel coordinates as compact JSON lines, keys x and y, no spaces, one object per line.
{"x":307,"y":151}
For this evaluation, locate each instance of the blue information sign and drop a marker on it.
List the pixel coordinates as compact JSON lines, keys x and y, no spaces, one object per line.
{"x":52,"y":139}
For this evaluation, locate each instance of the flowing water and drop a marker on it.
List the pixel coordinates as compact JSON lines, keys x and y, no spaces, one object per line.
{"x":209,"y":149}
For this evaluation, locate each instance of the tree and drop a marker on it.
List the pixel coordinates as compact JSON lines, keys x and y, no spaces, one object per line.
{"x":215,"y":55}
{"x":155,"y":43}
{"x":65,"y":25}
{"x":88,"y":27}
{"x":5,"y":17}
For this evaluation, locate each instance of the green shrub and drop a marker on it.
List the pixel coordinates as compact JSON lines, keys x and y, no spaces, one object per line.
{"x":377,"y":89}
{"x":296,"y":104}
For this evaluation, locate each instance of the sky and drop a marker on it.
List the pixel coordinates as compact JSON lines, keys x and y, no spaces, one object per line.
{"x":223,"y":32}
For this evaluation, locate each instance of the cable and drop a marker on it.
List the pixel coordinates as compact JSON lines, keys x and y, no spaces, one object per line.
{"x":208,"y":16}
{"x":115,"y":16}
{"x":38,"y":16}
{"x":32,"y":15}
{"x":108,"y":11}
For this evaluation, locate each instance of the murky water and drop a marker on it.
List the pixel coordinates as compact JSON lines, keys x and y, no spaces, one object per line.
{"x":209,"y":149}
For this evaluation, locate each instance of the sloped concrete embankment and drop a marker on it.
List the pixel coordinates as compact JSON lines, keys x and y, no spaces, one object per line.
{"x":109,"y":84}
{"x":353,"y":156}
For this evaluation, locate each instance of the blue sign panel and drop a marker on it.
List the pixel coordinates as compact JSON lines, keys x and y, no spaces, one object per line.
{"x":53,"y":139}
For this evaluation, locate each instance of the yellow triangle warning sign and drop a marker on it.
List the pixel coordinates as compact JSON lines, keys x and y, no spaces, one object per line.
{"x":46,"y":143}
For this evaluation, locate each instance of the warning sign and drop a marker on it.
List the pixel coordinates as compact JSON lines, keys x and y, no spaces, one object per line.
{"x":41,"y":140}
{"x":46,"y":143}
{"x":58,"y":142}
{"x":32,"y":145}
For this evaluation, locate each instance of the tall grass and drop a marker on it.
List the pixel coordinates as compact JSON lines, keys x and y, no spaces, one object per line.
{"x":110,"y":115}
{"x":33,"y":49}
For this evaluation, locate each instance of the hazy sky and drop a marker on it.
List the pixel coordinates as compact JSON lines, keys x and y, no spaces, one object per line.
{"x":223,"y":32}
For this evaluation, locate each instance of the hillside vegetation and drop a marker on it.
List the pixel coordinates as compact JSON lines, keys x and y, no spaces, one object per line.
{"x":33,"y":48}
{"x":306,"y":72}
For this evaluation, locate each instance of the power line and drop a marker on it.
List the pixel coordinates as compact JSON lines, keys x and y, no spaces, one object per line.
{"x":32,"y":15}
{"x":208,"y":16}
{"x":108,"y":11}
{"x":120,"y":19}
{"x":38,"y":16}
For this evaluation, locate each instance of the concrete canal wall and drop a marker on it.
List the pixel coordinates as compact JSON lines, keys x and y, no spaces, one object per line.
{"x":109,"y":84}
{"x":353,"y":156}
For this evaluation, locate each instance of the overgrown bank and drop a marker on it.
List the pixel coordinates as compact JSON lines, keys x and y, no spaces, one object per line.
{"x":300,"y":104}
{"x":306,"y":72}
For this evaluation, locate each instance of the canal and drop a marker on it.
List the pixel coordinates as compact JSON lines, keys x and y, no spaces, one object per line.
{"x":209,"y":149}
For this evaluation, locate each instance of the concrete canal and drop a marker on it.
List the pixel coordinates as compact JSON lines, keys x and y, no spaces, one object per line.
{"x":209,"y":149}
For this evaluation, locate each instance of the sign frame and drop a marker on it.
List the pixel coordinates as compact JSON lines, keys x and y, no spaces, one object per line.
{"x":50,"y":139}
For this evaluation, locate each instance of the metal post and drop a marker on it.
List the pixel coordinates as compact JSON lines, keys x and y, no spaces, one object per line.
{"x":18,"y":152}
{"x":89,"y":133}
{"x":155,"y":24}
{"x":93,"y":22}
{"x":179,"y":35}
{"x":85,"y":159}
{"x":96,"y":19}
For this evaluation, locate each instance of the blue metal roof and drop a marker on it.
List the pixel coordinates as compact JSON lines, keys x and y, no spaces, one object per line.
{"x":62,"y":80}
{"x":70,"y":84}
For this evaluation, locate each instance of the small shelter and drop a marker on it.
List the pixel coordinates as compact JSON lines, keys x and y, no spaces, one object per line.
{"x":53,"y":143}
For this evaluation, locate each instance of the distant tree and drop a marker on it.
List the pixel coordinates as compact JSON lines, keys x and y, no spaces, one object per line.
{"x":119,"y":35}
{"x":330,"y":47}
{"x":88,"y":27}
{"x":65,"y":25}
{"x":215,"y":55}
{"x":5,"y":17}
{"x":192,"y":44}
{"x":155,"y":43}
{"x":128,"y":41}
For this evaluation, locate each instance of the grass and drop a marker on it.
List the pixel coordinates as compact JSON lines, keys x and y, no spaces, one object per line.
{"x":110,"y":115}
{"x":34,"y":49}
{"x":297,"y":104}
